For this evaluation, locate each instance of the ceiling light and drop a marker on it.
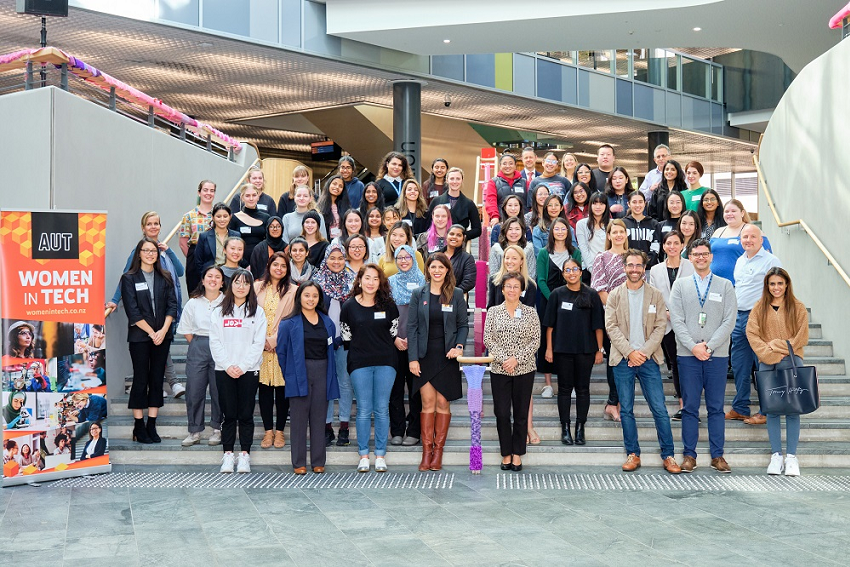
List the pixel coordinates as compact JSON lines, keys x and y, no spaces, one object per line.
{"x":205,"y":44}
{"x":697,"y":29}
{"x":447,"y":41}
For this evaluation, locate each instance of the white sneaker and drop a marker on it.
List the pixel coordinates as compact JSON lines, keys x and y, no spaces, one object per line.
{"x":380,"y":464}
{"x":792,"y":465}
{"x":547,"y":392}
{"x":776,"y":464}
{"x":215,"y":438}
{"x":191,"y":439}
{"x":243,"y":463}
{"x":178,"y":390}
{"x":363,"y":466}
{"x":227,"y":463}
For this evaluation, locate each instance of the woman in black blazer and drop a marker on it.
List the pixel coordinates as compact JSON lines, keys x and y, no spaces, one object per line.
{"x":206,"y":250}
{"x":464,"y":211}
{"x":463,"y":264}
{"x":437,"y":328}
{"x":151,"y":306}
{"x":96,"y":445}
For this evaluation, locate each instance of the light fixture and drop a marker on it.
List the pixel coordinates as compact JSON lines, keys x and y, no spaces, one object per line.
{"x":447,"y":41}
{"x":697,"y":29}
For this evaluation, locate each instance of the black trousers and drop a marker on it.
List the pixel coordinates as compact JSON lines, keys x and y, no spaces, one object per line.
{"x":668,"y":345}
{"x":273,"y":398}
{"x":237,"y":398}
{"x":399,"y":422}
{"x":193,"y":278}
{"x":512,"y":392}
{"x":573,"y":373}
{"x":310,"y":410}
{"x":613,"y":397}
{"x":148,"y":373}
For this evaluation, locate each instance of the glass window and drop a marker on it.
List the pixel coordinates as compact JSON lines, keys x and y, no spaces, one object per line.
{"x":648,"y":65}
{"x":596,"y":60}
{"x":623,"y":58}
{"x":563,"y":56}
{"x":672,"y":70}
{"x":695,"y":77}
{"x":717,"y":83}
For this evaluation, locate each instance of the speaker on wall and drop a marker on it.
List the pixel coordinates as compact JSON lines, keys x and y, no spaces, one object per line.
{"x":57,"y":8}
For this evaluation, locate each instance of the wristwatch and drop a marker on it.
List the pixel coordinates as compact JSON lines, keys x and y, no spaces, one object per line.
{"x":459,"y":346}
{"x":709,"y":351}
{"x":602,"y":350}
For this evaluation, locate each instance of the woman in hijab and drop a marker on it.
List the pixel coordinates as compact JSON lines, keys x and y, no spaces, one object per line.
{"x":404,"y":430}
{"x":263,"y":251}
{"x":12,"y":410}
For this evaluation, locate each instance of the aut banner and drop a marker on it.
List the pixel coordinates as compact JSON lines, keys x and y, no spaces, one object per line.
{"x":54,"y":404}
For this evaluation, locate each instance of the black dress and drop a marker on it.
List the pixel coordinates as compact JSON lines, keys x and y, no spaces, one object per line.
{"x":443,"y":373}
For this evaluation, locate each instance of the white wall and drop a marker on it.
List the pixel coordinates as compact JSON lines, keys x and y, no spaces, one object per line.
{"x":804,"y":159}
{"x":101,"y":160}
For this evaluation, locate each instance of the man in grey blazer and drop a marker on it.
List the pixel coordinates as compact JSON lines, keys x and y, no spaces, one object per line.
{"x":703,"y":309}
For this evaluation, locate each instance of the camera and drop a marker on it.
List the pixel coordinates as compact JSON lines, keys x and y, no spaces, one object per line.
{"x":448,"y":101}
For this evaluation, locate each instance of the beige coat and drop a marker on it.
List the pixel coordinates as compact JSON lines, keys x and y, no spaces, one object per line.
{"x":617,"y":323}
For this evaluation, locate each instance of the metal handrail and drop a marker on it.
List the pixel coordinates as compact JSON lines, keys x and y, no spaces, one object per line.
{"x":806,"y":228}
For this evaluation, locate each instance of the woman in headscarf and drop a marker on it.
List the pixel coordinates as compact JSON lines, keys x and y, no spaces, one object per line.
{"x":12,"y":410}
{"x":263,"y":251}
{"x":335,"y":279}
{"x":402,"y":284}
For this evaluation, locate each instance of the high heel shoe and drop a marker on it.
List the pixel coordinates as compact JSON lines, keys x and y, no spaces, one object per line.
{"x":151,"y":429}
{"x":566,"y":437}
{"x":140,"y":432}
{"x":580,"y":433}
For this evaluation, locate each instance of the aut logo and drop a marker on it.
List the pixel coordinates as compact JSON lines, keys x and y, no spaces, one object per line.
{"x":233,"y":323}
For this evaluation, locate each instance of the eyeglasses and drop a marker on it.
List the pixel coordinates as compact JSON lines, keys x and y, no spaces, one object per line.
{"x":709,"y":200}
{"x":25,"y":332}
{"x":148,"y":251}
{"x":551,"y":161}
{"x":700,"y":254}
{"x":634,"y":266}
{"x":572,"y":270}
{"x":360,"y":247}
{"x":404,"y":258}
{"x":512,"y":288}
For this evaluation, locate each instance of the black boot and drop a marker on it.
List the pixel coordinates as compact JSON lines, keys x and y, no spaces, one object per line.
{"x":329,"y":435}
{"x":151,"y":428}
{"x":566,"y":438}
{"x":140,"y":433}
{"x":580,"y":433}
{"x":342,"y":440}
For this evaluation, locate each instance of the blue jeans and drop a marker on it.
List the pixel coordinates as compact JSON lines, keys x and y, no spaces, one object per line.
{"x":653,"y":391}
{"x":743,"y":360}
{"x":792,"y":422}
{"x":373,"y":386}
{"x":346,"y":394}
{"x":695,"y":376}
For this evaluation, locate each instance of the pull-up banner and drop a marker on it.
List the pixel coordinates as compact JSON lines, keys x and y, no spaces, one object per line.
{"x":53,"y":344}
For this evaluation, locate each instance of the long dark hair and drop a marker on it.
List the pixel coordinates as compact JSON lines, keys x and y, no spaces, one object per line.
{"x":535,"y":214}
{"x":344,"y":230}
{"x":383,"y":297}
{"x":327,"y":200}
{"x":592,"y":183}
{"x":790,"y":301}
{"x":406,"y":172}
{"x":216,"y":208}
{"x":609,"y":187}
{"x":550,"y":244}
{"x":320,"y":307}
{"x":571,"y":201}
{"x":585,"y":297}
{"x":136,"y":264}
{"x":364,"y":206}
{"x":229,"y":301}
{"x":447,"y":290}
{"x":697,"y":227}
{"x":382,"y":229}
{"x":718,"y":212}
{"x":432,"y":178}
{"x":598,"y":197}
{"x":666,"y":212}
{"x":547,"y":220}
{"x":283,"y":284}
{"x":680,"y":183}
{"x":503,"y":215}
{"x":503,"y":234}
{"x":201,"y":290}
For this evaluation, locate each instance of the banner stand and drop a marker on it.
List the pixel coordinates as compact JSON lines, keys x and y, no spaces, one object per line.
{"x":56,"y":475}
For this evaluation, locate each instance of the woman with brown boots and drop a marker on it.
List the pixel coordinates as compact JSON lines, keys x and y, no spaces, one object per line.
{"x":436,"y":334}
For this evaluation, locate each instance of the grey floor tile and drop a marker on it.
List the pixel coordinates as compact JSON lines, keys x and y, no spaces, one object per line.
{"x":100,"y":546}
{"x":270,"y":556}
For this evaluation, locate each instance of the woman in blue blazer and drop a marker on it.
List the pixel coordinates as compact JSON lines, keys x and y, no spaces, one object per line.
{"x":305,"y":351}
{"x":151,"y":307}
{"x":206,"y":248}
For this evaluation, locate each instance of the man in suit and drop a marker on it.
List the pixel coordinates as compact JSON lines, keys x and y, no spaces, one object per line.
{"x":636,"y":320}
{"x":529,"y":161}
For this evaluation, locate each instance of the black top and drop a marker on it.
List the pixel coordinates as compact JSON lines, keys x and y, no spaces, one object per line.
{"x":418,"y":224}
{"x":285,"y":204}
{"x":600,"y":178}
{"x":463,"y":266}
{"x":573,"y":324}
{"x":496,"y":297}
{"x":138,"y":306}
{"x":265,"y":205}
{"x":390,"y":193}
{"x":643,"y":236}
{"x":315,"y":340}
{"x":368,"y":334}
{"x":435,"y":319}
{"x":252,"y":235}
{"x":464,"y":213}
{"x":316,"y":253}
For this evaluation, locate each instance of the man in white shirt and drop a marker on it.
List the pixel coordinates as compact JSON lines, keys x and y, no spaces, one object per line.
{"x":653,"y":177}
{"x":750,"y":270}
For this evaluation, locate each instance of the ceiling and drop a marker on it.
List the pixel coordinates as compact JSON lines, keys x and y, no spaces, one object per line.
{"x":227,"y":83}
{"x":795,"y":30}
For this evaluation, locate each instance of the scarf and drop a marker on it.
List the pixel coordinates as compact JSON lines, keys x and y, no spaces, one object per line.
{"x":275,"y":244}
{"x":336,"y":285}
{"x":10,"y":413}
{"x":401,"y":291}
{"x":302,"y":276}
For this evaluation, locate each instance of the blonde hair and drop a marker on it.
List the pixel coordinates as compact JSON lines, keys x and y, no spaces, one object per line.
{"x":254,"y":170}
{"x":454,"y":170}
{"x":740,"y":205}
{"x":421,"y":205}
{"x":245,"y":186}
{"x":311,"y":206}
{"x":611,"y":224}
{"x":147,"y":216}
{"x":503,"y":271}
{"x":78,"y":397}
{"x":293,"y":186}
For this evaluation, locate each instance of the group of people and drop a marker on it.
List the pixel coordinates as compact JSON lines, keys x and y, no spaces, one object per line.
{"x":298,"y":304}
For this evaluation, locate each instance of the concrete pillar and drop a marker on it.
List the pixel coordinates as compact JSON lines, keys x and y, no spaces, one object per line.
{"x":652,"y":140}
{"x":407,"y":129}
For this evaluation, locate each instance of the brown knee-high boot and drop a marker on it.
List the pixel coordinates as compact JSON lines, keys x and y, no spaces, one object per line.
{"x":441,"y":431}
{"x":426,"y":421}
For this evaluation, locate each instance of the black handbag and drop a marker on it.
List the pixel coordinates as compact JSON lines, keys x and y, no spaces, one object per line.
{"x":789,"y":391}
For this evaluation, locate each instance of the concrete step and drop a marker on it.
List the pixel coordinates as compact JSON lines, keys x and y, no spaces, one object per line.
{"x":456,"y":453}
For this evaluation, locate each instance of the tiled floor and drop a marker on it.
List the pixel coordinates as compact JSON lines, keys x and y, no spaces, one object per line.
{"x":469,"y":522}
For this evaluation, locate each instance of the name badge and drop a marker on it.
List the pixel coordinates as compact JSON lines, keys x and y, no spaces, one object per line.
{"x":518,"y":313}
{"x":447,"y":308}
{"x":330,"y":341}
{"x":335,"y":232}
{"x":262,"y":207}
{"x":380,"y":315}
{"x":522,"y":294}
{"x":142,"y":286}
{"x":651,"y":309}
{"x":245,"y":229}
{"x":696,"y":198}
{"x":567,"y":305}
{"x":411,"y":285}
{"x":519,"y":190}
{"x":433,"y":194}
{"x":715,"y":297}
{"x":733,"y":241}
{"x":408,"y":221}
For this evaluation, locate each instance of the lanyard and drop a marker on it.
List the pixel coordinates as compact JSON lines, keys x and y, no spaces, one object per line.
{"x":702,"y":298}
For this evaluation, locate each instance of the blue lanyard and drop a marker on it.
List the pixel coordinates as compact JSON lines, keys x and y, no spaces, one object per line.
{"x":702,"y":298}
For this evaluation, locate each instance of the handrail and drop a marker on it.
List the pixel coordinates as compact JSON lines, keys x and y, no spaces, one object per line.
{"x":806,"y":228}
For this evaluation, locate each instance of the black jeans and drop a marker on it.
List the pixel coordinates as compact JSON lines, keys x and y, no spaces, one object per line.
{"x":573,"y":373}
{"x":148,"y":373}
{"x":193,"y":278}
{"x":271,"y":398}
{"x":398,"y":420}
{"x":237,"y":397}
{"x":512,"y":392}
{"x":668,"y":345}
{"x":613,"y":397}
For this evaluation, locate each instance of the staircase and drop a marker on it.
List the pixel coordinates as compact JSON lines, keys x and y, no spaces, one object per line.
{"x":824,"y":435}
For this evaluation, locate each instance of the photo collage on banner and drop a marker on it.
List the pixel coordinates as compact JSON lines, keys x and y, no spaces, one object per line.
{"x":54,"y":344}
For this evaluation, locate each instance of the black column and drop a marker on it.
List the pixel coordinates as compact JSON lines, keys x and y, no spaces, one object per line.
{"x":652,"y":140}
{"x":407,"y":131}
